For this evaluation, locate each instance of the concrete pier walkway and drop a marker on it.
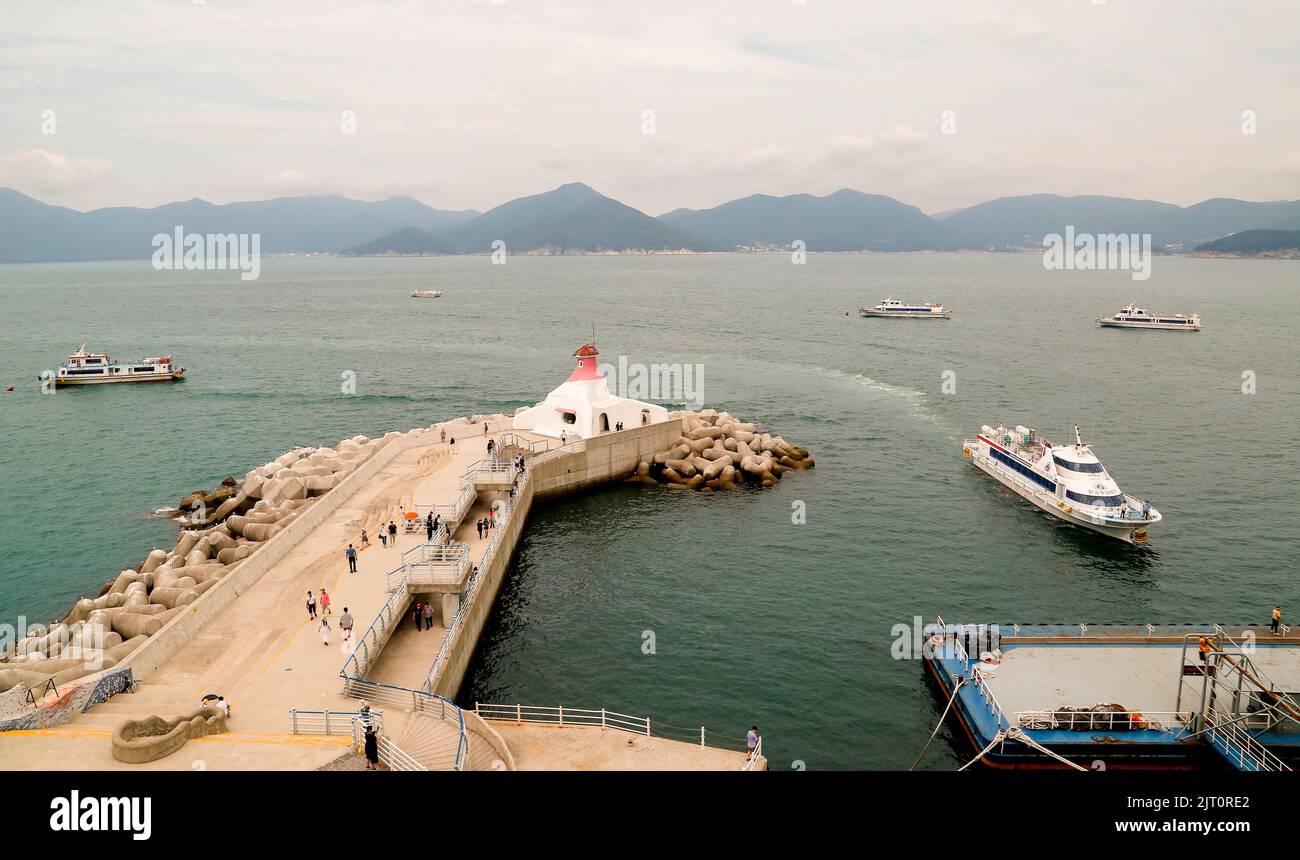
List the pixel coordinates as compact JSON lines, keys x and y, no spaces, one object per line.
{"x":266,"y":656}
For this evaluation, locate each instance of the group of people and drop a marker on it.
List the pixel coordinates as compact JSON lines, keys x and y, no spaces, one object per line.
{"x":387,"y":534}
{"x":488,"y":522}
{"x":423,"y":614}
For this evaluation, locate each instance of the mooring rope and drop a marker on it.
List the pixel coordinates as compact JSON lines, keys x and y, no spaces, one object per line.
{"x":951,"y":699}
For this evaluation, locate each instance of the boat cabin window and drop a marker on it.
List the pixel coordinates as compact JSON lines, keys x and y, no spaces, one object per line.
{"x":1078,"y":467}
{"x":1100,"y":501}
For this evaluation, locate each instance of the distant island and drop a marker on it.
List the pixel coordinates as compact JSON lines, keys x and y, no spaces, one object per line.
{"x":1268,"y":244}
{"x":576,"y":219}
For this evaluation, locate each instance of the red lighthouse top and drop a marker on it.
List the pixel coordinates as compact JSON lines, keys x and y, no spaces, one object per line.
{"x":586,"y":369}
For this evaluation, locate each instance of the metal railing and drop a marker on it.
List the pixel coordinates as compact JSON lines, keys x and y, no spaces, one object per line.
{"x":432,"y":564}
{"x":454,"y":512}
{"x":329,"y":722}
{"x":1241,"y":748}
{"x":754,"y":755}
{"x":370,"y":643}
{"x":416,"y":701}
{"x":471,"y":586}
{"x":394,"y":759}
{"x":561,"y":716}
{"x":607,"y":719}
{"x":489,"y":469}
{"x":1109,"y":721}
{"x":986,"y":694}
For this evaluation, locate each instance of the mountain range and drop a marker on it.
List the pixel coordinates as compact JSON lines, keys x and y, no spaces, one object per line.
{"x":575,"y":218}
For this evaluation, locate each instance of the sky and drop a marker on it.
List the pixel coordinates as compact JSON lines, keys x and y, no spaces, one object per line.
{"x":658,"y":103}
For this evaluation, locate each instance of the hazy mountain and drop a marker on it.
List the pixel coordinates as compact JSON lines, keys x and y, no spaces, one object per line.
{"x":572,"y":217}
{"x":31,"y":231}
{"x":1015,"y":222}
{"x":1254,"y":243}
{"x":847,"y":220}
{"x":1022,"y":222}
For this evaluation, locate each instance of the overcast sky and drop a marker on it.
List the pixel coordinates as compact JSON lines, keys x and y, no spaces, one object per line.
{"x":468,"y":104}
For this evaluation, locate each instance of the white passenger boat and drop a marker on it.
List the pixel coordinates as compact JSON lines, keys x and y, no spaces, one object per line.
{"x":1067,"y":481}
{"x":1132,"y":316}
{"x":892,"y":307}
{"x":96,"y":368}
{"x":425,"y":294}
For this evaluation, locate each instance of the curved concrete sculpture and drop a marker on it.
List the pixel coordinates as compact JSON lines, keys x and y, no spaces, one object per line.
{"x":140,"y":741}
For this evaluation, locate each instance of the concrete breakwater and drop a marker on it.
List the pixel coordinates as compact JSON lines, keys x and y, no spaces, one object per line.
{"x":102,"y":632}
{"x":716,"y":451}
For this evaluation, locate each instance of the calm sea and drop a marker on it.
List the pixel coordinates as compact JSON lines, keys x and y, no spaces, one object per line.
{"x":753,"y":619}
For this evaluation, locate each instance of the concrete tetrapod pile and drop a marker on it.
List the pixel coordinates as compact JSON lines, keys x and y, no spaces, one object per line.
{"x":100,"y":632}
{"x":717,"y":451}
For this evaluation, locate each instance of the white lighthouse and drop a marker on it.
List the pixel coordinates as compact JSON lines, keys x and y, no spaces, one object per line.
{"x":583,"y":407}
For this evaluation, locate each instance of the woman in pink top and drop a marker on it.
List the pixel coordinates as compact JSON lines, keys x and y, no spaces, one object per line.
{"x":324,"y":602}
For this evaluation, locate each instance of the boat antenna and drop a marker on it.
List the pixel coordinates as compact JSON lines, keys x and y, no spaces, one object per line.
{"x":1078,"y":440}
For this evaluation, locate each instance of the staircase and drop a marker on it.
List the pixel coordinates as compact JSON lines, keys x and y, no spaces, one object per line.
{"x":1240,"y":748}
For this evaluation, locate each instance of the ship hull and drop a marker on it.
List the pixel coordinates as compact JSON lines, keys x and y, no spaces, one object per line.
{"x":1105,"y":323}
{"x":1135,"y":534}
{"x":162,"y":377}
{"x":906,"y":316}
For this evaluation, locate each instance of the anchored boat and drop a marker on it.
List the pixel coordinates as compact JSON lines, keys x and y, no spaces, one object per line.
{"x":96,"y":368}
{"x":1132,"y":316}
{"x":1094,"y":697}
{"x":425,"y":294}
{"x":892,"y":307}
{"x":1067,"y":481}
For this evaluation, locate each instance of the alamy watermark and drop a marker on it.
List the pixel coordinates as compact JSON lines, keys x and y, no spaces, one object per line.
{"x":1125,"y":251}
{"x":181,"y":250}
{"x":671,"y":383}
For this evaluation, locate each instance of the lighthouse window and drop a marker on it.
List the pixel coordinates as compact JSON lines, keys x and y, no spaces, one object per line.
{"x":1100,"y":501}
{"x":1078,"y":467}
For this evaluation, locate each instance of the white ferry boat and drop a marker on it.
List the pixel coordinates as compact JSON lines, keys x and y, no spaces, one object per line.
{"x":1132,"y":316}
{"x":425,"y":294}
{"x":892,"y":307}
{"x":1067,"y":481}
{"x":96,"y":368}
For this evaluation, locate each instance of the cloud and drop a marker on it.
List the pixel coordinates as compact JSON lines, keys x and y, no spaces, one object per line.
{"x":45,"y":172}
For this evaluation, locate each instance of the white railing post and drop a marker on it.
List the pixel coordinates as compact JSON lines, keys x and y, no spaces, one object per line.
{"x":293,"y":720}
{"x":327,"y":721}
{"x":561,"y":715}
{"x":602,"y":718}
{"x":519,"y":713}
{"x":701,"y":735}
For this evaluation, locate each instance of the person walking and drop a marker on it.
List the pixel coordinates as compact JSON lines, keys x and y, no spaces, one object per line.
{"x":351,"y":553}
{"x":452,"y":443}
{"x":442,"y":435}
{"x":392,"y":533}
{"x":325,"y":631}
{"x":492,"y":518}
{"x":345,"y":624}
{"x":1276,"y":620}
{"x":751,"y":739}
{"x":489,"y":448}
{"x":371,"y":746}
{"x":383,"y":537}
{"x":365,"y":540}
{"x":428,"y":616}
{"x":479,"y":525}
{"x":419,"y":614}
{"x":428,"y":528}
{"x":311,"y":606}
{"x":324,"y":601}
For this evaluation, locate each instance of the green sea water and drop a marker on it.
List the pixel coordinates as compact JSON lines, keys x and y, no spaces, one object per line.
{"x":754,"y":619}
